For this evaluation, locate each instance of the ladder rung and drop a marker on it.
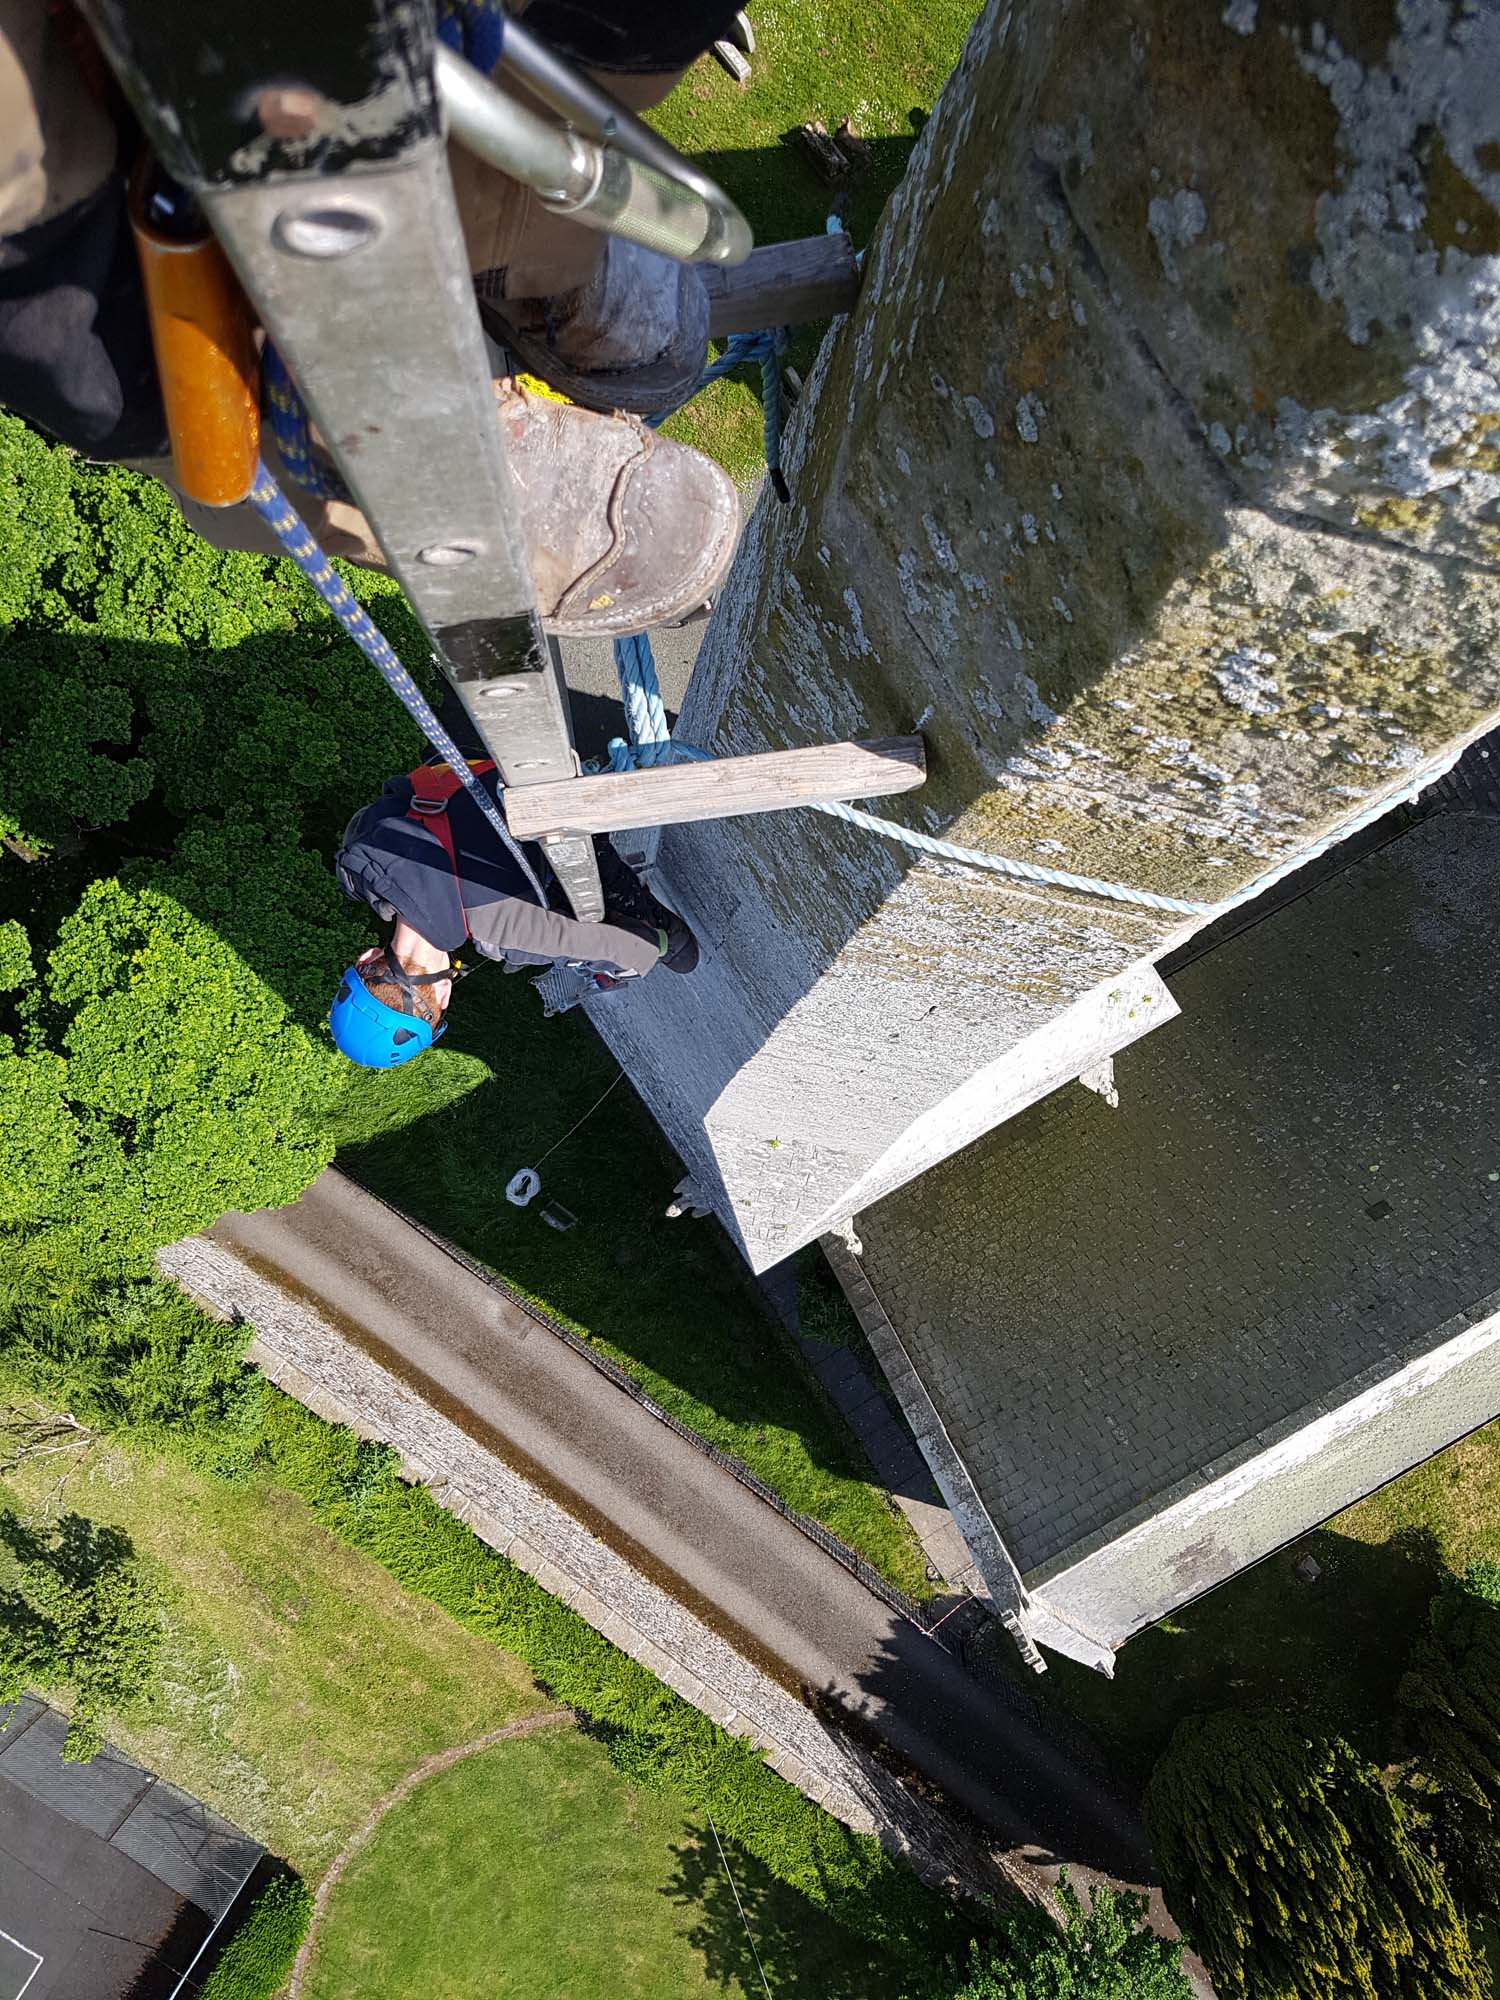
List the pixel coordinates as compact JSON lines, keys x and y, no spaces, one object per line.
{"x":783,"y":284}
{"x":665,"y":794}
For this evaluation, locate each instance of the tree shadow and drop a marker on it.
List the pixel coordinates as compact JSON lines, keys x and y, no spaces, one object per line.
{"x":72,"y":1547}
{"x":668,"y":1295}
{"x":290,"y":731}
{"x":747,"y":1927}
{"x":783,"y":196}
{"x":1330,"y":1651}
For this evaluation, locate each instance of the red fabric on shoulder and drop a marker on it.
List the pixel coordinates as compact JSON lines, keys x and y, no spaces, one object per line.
{"x":432,"y":786}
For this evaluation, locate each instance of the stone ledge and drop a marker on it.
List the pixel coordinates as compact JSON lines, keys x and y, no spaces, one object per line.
{"x":294,"y":1345}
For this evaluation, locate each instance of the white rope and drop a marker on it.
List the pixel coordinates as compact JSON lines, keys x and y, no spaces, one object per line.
{"x":642,"y":698}
{"x":583,"y":1120}
{"x":1021,"y":871}
{"x":740,"y":1907}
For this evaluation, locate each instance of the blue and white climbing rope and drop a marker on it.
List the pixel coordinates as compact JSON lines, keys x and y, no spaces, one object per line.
{"x":287,"y":421}
{"x":764,"y":349}
{"x":652,"y":743}
{"x":273,"y":507}
{"x":645,"y":711}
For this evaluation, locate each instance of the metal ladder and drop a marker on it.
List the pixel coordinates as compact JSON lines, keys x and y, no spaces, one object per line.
{"x":311,"y":133}
{"x":312,"y":136}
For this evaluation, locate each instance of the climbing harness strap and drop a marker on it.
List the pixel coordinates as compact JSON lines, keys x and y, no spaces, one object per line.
{"x":432,"y":787}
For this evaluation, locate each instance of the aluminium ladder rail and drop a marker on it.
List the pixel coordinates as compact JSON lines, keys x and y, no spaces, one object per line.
{"x":312,"y":136}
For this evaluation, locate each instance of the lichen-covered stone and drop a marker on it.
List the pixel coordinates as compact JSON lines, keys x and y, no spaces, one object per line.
{"x":1357,"y":143}
{"x":1115,"y":479}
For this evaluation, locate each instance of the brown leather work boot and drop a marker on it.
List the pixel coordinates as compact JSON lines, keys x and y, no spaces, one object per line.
{"x":635,"y":337}
{"x":624,"y":529}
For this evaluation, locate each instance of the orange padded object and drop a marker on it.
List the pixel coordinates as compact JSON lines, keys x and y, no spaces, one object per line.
{"x":204,"y":338}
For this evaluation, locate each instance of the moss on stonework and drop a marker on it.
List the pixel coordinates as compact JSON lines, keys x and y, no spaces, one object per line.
{"x":1401,"y":515}
{"x":1083,"y":556}
{"x":1345,"y":703}
{"x":1477,"y":447}
{"x":1458,"y":215}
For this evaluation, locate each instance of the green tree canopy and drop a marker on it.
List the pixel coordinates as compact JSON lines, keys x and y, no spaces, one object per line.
{"x":1295,"y":1873}
{"x":144,"y":673}
{"x":79,"y":1613}
{"x":180,"y":1084}
{"x":175,"y":1064}
{"x":1450,"y":1700}
{"x":1104,"y":1952}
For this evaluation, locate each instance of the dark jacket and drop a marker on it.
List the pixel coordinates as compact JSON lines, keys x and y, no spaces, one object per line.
{"x":399,"y":867}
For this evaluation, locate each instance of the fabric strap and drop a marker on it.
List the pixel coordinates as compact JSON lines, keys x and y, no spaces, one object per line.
{"x":432,"y":786}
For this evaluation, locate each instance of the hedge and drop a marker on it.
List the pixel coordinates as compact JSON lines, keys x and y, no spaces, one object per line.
{"x":653,"y":1735}
{"x":258,"y":1957}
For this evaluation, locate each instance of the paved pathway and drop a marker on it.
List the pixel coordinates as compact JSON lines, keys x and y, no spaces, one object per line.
{"x":498,"y":1371}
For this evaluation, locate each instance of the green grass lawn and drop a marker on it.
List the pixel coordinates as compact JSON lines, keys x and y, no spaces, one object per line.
{"x":828,"y":59}
{"x":441,"y":1138}
{"x":300,"y":1682}
{"x":1332,"y":1650}
{"x":535,"y":1871}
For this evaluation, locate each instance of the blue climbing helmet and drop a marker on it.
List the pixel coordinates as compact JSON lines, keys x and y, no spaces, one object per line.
{"x":367,"y":1031}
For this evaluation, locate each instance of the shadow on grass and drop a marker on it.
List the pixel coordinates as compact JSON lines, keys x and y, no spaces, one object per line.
{"x":753,"y":1934}
{"x":665,"y":1298}
{"x":1329,"y":1652}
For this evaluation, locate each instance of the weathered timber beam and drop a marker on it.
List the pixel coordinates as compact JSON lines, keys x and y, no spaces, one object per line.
{"x":669,"y":793}
{"x":783,"y":284}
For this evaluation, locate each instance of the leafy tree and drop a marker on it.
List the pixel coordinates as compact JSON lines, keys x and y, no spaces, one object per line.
{"x":16,"y":968}
{"x":190,"y":1089}
{"x":189,"y":727}
{"x":77,"y":1611}
{"x":1295,"y":1872}
{"x":1104,"y":1952}
{"x":144,"y":669}
{"x":1450,"y":1698}
{"x":177,"y":1064}
{"x":39,"y":1138}
{"x":130,"y":1355}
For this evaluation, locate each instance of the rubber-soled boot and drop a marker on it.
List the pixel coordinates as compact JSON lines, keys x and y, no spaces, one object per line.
{"x":626,"y":894}
{"x":624,"y":529}
{"x":634,"y":338}
{"x":681,"y":954}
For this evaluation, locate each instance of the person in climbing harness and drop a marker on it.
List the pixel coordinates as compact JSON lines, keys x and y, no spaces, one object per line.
{"x":426,"y":861}
{"x":625,"y":529}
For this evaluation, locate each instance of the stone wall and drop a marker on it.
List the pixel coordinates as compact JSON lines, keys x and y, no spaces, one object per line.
{"x":1157,"y":474}
{"x":309,"y":1358}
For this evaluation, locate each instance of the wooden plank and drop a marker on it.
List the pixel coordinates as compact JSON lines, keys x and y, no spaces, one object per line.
{"x":670,"y":793}
{"x":783,"y":284}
